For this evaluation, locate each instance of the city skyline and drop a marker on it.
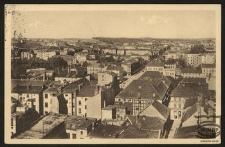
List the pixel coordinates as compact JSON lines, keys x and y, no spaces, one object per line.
{"x":127,"y":24}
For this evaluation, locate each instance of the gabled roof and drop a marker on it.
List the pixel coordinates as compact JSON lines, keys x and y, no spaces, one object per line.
{"x":156,"y":109}
{"x":190,"y":90}
{"x":147,"y":123}
{"x":134,"y":132}
{"x":186,"y":132}
{"x":190,"y":102}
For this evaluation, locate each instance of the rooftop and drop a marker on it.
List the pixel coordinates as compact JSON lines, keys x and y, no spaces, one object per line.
{"x":71,"y":88}
{"x":186,"y":132}
{"x":193,"y":80}
{"x":25,"y":89}
{"x":190,"y":90}
{"x":155,"y":64}
{"x":134,"y":132}
{"x":208,"y":66}
{"x":87,"y":91}
{"x":105,"y":131}
{"x":65,"y":74}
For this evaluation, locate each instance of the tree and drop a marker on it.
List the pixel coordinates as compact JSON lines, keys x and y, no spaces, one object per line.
{"x":197,"y":49}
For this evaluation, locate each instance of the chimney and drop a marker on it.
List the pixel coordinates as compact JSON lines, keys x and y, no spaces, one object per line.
{"x":69,"y":69}
{"x":144,"y":117}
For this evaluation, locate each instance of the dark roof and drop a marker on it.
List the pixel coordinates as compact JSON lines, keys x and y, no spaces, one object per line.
{"x":152,"y":74}
{"x":190,"y":90}
{"x":147,"y":123}
{"x":77,"y":122}
{"x":134,"y":132}
{"x":190,"y":102}
{"x":191,"y":70}
{"x":106,"y":131}
{"x":51,"y":90}
{"x":189,"y":113}
{"x":156,"y":64}
{"x":186,"y":132}
{"x":114,"y":68}
{"x":70,"y":88}
{"x":85,"y":124}
{"x":86,"y":91}
{"x":162,"y":109}
{"x":208,"y":66}
{"x":25,"y":82}
{"x":65,"y":74}
{"x":24,"y":89}
{"x":193,"y":80}
{"x":109,"y":107}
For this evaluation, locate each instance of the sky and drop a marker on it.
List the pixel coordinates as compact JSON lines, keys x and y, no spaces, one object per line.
{"x":132,"y":24}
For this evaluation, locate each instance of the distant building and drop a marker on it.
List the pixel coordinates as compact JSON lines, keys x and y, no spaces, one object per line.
{"x":116,"y":69}
{"x":208,"y":58}
{"x":208,"y":69}
{"x":114,"y":112}
{"x":191,"y":73}
{"x":155,"y":66}
{"x":193,"y":59}
{"x":132,"y":66}
{"x":95,"y":68}
{"x":45,"y":55}
{"x":78,"y":127}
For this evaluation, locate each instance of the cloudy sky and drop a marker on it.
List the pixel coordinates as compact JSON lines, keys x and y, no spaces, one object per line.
{"x":87,"y":24}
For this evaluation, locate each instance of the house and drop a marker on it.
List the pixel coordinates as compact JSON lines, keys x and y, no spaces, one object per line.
{"x":142,"y":92}
{"x":208,"y":58}
{"x":149,"y":127}
{"x":132,"y":66}
{"x":184,"y":96}
{"x":106,"y":78}
{"x":96,"y":68}
{"x":117,"y":70}
{"x":112,"y":112}
{"x":78,"y":127}
{"x":45,"y":55}
{"x":155,"y":66}
{"x":192,"y":73}
{"x":67,"y":76}
{"x":22,"y":119}
{"x":193,"y":59}
{"x":207,"y":69}
{"x":29,"y":93}
{"x":26,"y":54}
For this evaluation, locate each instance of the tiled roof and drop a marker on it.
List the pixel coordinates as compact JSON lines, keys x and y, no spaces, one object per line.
{"x":190,"y":90}
{"x":86,"y":91}
{"x":24,"y":89}
{"x":190,"y":102}
{"x":105,"y":131}
{"x":134,"y":132}
{"x":208,"y":66}
{"x":147,"y":123}
{"x":193,"y":80}
{"x":162,"y":109}
{"x":186,"y":132}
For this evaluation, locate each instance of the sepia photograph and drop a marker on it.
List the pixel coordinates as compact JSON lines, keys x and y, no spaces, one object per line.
{"x":112,"y":74}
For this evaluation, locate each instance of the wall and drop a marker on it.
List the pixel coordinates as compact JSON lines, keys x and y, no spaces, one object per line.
{"x":94,"y":106}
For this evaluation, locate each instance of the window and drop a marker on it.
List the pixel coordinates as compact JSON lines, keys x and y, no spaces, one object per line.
{"x":46,"y":105}
{"x":68,"y":135}
{"x":27,"y":95}
{"x":85,"y":99}
{"x":85,"y":115}
{"x":66,"y":94}
{"x":85,"y":106}
{"x":46,"y":95}
{"x":81,"y":132}
{"x":74,"y":136}
{"x":79,"y":110}
{"x":175,"y":105}
{"x":79,"y":102}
